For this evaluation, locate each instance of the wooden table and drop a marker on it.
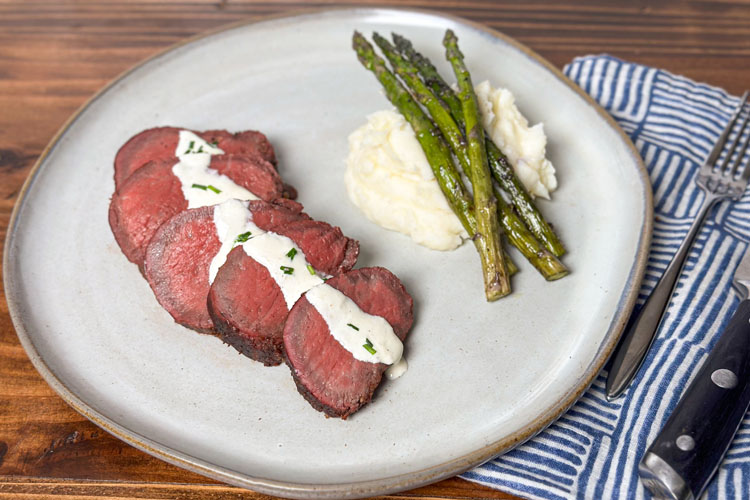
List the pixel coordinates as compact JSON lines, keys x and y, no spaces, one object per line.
{"x":55,"y":54}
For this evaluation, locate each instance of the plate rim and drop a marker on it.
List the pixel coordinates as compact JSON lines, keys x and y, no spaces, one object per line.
{"x":356,"y":489}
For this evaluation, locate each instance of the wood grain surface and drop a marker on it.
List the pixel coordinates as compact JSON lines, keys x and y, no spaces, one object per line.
{"x":55,"y":54}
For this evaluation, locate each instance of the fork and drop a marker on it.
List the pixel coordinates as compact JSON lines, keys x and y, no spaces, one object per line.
{"x":718,"y":180}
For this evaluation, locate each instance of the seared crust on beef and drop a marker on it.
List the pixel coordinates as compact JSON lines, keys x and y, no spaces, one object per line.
{"x":177,"y":265}
{"x":327,"y":375}
{"x":248,"y":308}
{"x":153,"y":194}
{"x":245,"y":142}
{"x":246,"y":304}
{"x":160,"y":143}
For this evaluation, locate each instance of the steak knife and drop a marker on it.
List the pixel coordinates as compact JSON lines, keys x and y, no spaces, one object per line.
{"x":688,"y":450}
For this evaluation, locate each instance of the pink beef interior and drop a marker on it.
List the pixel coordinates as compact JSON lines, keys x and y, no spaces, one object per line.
{"x":177,"y":263}
{"x":150,"y":145}
{"x":142,"y":204}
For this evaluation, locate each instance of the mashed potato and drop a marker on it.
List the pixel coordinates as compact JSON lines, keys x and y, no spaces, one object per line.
{"x":389,"y":179}
{"x":524,"y":146}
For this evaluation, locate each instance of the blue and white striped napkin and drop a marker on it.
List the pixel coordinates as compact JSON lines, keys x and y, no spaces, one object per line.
{"x":593,"y":451}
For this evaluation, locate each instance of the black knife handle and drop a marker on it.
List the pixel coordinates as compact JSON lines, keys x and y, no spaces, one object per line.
{"x":702,"y":426}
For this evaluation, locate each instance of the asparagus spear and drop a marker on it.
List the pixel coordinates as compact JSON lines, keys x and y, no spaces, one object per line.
{"x":520,"y":237}
{"x":498,"y":162}
{"x":436,"y":151}
{"x":509,"y":264}
{"x":506,"y":177}
{"x":431,"y":77}
{"x":546,"y":263}
{"x":437,"y":110}
{"x":485,"y":204}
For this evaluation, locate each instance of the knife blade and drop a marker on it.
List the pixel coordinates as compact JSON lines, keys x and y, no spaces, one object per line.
{"x":688,"y":450}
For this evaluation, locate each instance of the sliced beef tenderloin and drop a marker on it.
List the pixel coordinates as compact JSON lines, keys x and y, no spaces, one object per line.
{"x":148,"y":198}
{"x":160,"y":143}
{"x":245,"y":302}
{"x":247,"y":141}
{"x":327,"y":374}
{"x":177,"y":264}
{"x":179,"y":261}
{"x":153,"y":194}
{"x":325,"y":246}
{"x":248,"y":308}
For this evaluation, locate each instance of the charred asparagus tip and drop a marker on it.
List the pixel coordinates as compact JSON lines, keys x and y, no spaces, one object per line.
{"x":485,"y":204}
{"x":450,"y":42}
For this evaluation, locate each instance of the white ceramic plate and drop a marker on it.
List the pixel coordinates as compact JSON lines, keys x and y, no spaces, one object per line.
{"x":482,"y":377}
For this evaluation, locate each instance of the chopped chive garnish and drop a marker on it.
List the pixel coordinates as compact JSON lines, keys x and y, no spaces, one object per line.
{"x":368,"y":346}
{"x":215,"y":190}
{"x":200,"y":186}
{"x":287,"y":270}
{"x":291,"y":253}
{"x":215,"y":144}
{"x":200,"y":149}
{"x":310,"y":268}
{"x":190,"y":147}
{"x":243,"y":237}
{"x":349,"y":324}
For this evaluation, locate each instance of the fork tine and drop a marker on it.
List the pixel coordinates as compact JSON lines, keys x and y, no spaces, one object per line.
{"x":731,"y":149}
{"x":743,"y":150}
{"x":716,"y":151}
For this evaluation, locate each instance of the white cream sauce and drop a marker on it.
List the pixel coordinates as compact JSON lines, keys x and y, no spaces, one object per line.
{"x":232,"y":220}
{"x":201,"y":185}
{"x":397,"y":369}
{"x":368,"y":337}
{"x":285,"y":262}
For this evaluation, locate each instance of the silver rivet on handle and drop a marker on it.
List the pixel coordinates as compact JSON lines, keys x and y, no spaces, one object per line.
{"x":685,"y":442}
{"x":726,"y":379}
